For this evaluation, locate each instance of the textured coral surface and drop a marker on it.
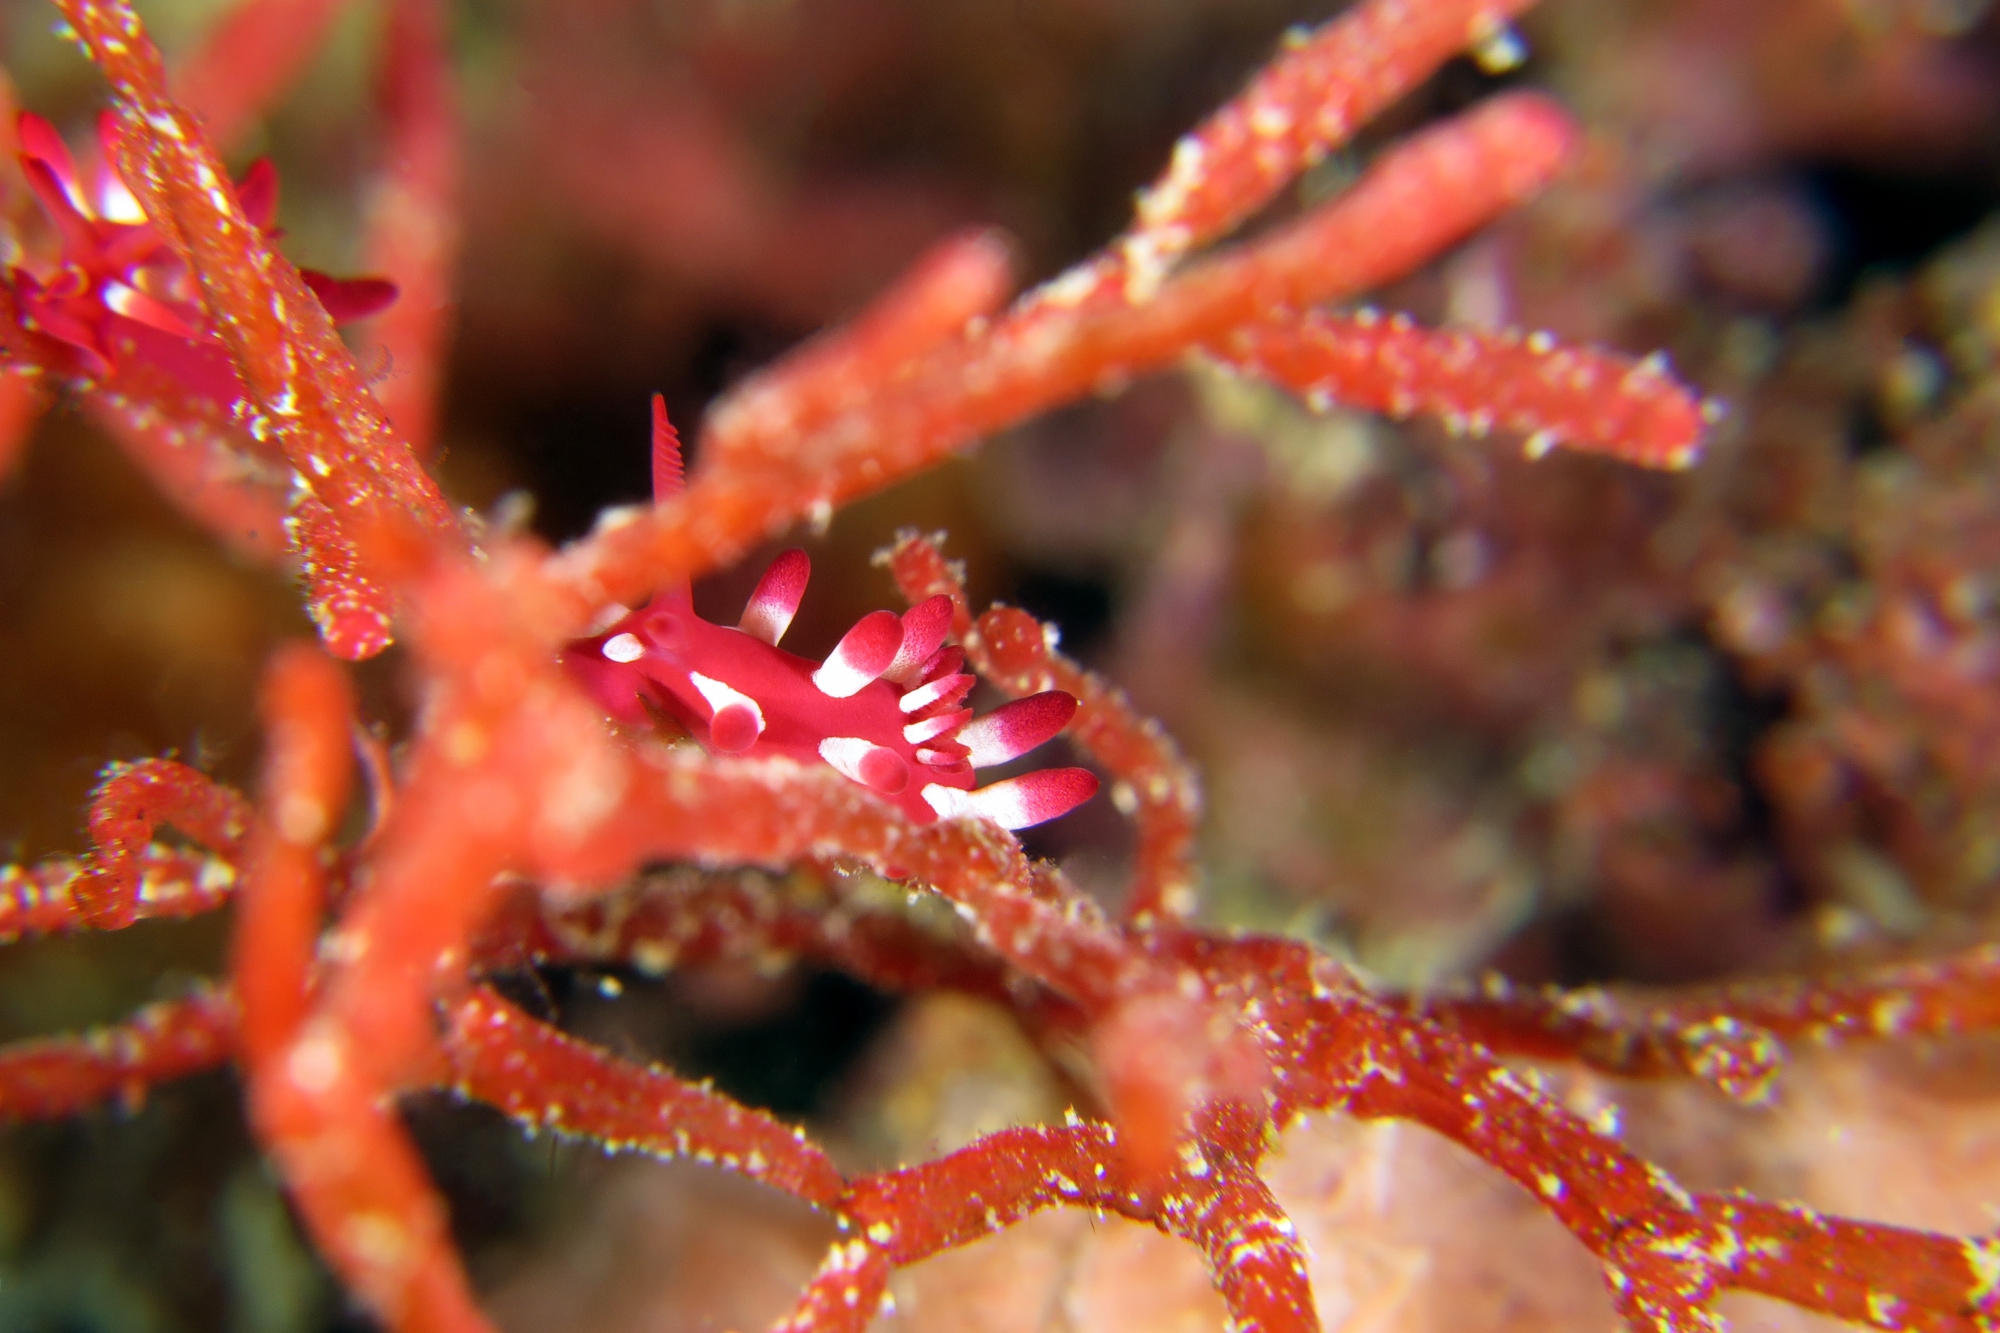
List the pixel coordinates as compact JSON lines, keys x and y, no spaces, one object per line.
{"x":1477,"y":680}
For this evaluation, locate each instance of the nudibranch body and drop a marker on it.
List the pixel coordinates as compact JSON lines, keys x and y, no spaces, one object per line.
{"x":884,"y":708}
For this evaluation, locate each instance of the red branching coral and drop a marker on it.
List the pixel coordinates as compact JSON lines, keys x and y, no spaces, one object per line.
{"x":513,"y":826}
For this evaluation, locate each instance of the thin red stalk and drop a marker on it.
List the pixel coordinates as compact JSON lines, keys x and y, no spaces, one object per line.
{"x":361,"y":1187}
{"x":512,"y":770}
{"x":1638,"y":1222}
{"x":1957,"y":993}
{"x":1344,"y":1049}
{"x":1627,"y":1037}
{"x":687,"y":917}
{"x":1418,"y":199}
{"x":501,"y":1056}
{"x":1892,"y":1278}
{"x":351,"y":608}
{"x":319,"y":1109}
{"x":308,"y":709}
{"x":1298,"y":108}
{"x":913,"y":1213}
{"x":844,"y":1296}
{"x":503,"y":732}
{"x":61,"y":1076}
{"x":957,"y":282}
{"x":773,"y":812}
{"x":1730,"y":1034}
{"x":128,"y":807}
{"x":44,"y":898}
{"x":1664,"y":1249}
{"x":1214,"y":1200}
{"x":1598,"y":402}
{"x":1252,"y":1247}
{"x":1609,"y":1198}
{"x":427,"y":894}
{"x":304,"y":385}
{"x":285,"y":347}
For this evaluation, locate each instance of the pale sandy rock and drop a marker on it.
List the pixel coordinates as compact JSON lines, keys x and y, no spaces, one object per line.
{"x":1407,"y":1233}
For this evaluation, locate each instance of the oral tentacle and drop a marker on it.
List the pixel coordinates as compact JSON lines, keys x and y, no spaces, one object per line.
{"x":924,"y":628}
{"x":930,"y":728}
{"x":1018,"y":802}
{"x":735,"y":719}
{"x":863,"y":761}
{"x":769,"y":612}
{"x":861,"y":656}
{"x":945,"y":690}
{"x":1013,"y":729}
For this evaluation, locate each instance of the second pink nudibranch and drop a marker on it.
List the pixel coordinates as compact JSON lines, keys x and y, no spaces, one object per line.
{"x":884,"y":708}
{"x":115,"y":291}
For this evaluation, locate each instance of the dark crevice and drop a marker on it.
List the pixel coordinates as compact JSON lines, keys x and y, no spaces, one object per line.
{"x":1891,"y":220}
{"x":788,"y":1062}
{"x":1079,"y":606}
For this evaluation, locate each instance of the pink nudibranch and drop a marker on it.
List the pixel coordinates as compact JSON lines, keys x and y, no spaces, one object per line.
{"x":883,"y":709}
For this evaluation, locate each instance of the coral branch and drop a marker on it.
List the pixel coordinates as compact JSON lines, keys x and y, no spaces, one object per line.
{"x":844,"y":1296}
{"x":959,"y":281}
{"x":1297,"y":109}
{"x":773,"y":812}
{"x":915,"y":1212}
{"x":1422,"y":196}
{"x":1215,"y":1200}
{"x":1664,"y":1250}
{"x":361,"y":1187}
{"x":128,"y":807}
{"x":357,"y":1178}
{"x":1888,"y":1277}
{"x":351,"y":609}
{"x":47,"y":897}
{"x":64,"y":1075}
{"x":685,"y":917}
{"x":1252,"y":1247}
{"x":1597,"y":402}
{"x":1729,"y":1035}
{"x":308,"y":710}
{"x":547,"y":1081}
{"x":305,"y":387}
